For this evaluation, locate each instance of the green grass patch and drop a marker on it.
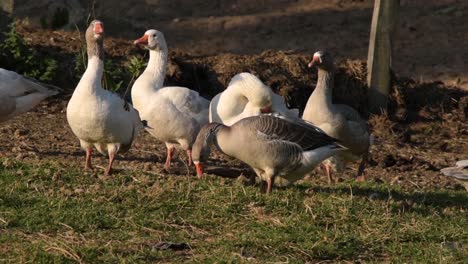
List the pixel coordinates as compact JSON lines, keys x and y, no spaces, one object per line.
{"x":52,"y":213}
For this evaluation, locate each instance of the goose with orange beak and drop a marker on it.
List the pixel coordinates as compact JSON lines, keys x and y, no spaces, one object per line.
{"x":99,"y":118}
{"x":273,"y":145}
{"x":142,"y":41}
{"x":337,"y":120}
{"x":175,"y":114}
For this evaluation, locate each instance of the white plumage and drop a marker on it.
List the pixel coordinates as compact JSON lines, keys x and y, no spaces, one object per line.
{"x":246,"y":96}
{"x":174,"y":114}
{"x":19,"y":94}
{"x":459,"y":172}
{"x":97,"y":116}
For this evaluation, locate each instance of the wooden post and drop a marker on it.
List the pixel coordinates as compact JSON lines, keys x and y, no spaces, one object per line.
{"x":379,"y":59}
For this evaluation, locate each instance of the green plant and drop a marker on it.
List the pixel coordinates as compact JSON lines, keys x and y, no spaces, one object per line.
{"x":17,"y":55}
{"x":136,"y":65}
{"x":113,"y":76}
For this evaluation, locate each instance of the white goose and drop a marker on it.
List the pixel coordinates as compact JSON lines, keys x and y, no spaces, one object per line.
{"x":245,"y":96}
{"x":175,"y":114}
{"x":19,"y":94}
{"x":273,"y":145}
{"x":97,"y":116}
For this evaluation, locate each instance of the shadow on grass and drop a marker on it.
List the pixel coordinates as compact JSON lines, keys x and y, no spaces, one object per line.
{"x":59,"y":153}
{"x":440,"y":199}
{"x":82,"y":154}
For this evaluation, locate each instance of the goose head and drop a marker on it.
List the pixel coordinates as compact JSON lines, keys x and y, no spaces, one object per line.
{"x":202,"y":147}
{"x":253,"y":89}
{"x":152,"y":40}
{"x":94,"y":39}
{"x":95,"y":31}
{"x":322,"y":60}
{"x":264,"y":102}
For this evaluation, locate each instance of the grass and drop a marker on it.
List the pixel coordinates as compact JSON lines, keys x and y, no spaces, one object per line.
{"x":51,"y":214}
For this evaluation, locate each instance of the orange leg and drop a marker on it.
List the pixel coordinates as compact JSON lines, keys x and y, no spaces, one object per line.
{"x":88,"y":165}
{"x":270,"y":183}
{"x":189,"y":155}
{"x":111,"y":161}
{"x":329,"y":173}
{"x":170,"y":153}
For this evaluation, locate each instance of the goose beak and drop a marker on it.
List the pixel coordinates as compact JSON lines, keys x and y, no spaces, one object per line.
{"x":199,"y":167}
{"x":266,"y":109}
{"x":315,"y":61}
{"x":141,"y":41}
{"x":98,"y":28}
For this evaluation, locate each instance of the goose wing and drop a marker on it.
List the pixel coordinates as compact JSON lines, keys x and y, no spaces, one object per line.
{"x":15,"y":85}
{"x":460,"y":171}
{"x":276,"y":127}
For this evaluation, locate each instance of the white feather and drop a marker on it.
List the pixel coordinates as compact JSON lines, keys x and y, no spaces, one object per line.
{"x":245,"y":96}
{"x":19,"y":94}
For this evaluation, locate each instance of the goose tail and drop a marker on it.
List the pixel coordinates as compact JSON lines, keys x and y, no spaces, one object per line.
{"x":459,"y":173}
{"x":44,"y":88}
{"x":338,"y":146}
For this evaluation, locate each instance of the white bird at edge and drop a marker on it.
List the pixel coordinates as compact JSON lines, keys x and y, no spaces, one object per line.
{"x":459,"y":172}
{"x":19,"y":94}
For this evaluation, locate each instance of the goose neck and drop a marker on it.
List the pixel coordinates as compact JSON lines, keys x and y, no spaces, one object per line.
{"x":223,"y":139}
{"x":156,"y":69}
{"x":93,"y":74}
{"x":324,"y":88}
{"x":258,"y":94}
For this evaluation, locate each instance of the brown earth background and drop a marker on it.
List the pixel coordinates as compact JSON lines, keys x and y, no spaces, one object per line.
{"x":430,"y":44}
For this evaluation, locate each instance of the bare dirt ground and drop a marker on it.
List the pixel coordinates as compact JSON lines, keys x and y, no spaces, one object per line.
{"x":425,"y":129}
{"x":430,"y":42}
